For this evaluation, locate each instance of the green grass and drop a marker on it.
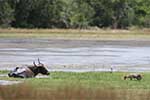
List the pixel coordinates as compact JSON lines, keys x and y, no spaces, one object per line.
{"x":88,"y":80}
{"x":3,"y":71}
{"x":92,"y":80}
{"x":78,"y":86}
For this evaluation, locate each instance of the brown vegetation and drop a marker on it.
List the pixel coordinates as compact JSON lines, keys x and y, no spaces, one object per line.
{"x":69,"y":31}
{"x":26,"y":92}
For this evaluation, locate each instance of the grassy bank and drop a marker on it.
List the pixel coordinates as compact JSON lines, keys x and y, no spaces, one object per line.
{"x":87,"y":79}
{"x":92,"y":80}
{"x":79,"y":86}
{"x":75,"y":34}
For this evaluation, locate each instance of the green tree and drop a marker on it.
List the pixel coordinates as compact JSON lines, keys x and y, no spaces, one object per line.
{"x":142,"y":11}
{"x":46,"y":14}
{"x":74,"y":13}
{"x":6,"y":14}
{"x":102,"y":15}
{"x":81,"y":14}
{"x":122,"y":14}
{"x":22,"y":11}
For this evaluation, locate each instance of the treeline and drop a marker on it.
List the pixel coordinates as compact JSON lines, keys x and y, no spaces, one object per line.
{"x":74,"y":13}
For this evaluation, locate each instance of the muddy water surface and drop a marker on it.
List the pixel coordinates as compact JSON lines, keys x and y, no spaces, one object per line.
{"x":88,"y":55}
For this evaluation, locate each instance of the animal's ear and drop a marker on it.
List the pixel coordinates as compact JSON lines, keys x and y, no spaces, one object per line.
{"x":34,"y":64}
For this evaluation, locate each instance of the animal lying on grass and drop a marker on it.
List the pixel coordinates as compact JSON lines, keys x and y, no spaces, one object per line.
{"x":133,"y":76}
{"x":29,"y":71}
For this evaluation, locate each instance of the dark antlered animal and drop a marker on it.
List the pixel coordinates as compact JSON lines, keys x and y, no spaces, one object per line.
{"x":29,"y":71}
{"x":133,"y":76}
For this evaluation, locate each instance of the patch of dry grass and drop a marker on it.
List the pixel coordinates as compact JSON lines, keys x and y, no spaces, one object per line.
{"x":12,"y":30}
{"x":26,"y":92}
{"x":99,"y":34}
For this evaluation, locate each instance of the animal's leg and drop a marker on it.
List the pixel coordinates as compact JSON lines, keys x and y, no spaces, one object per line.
{"x":130,"y":78}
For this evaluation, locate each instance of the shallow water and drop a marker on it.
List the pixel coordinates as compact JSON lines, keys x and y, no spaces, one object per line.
{"x":52,"y":52}
{"x":6,"y":82}
{"x":111,"y":55}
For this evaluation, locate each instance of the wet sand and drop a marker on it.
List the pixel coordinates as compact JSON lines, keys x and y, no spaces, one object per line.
{"x":76,"y":55}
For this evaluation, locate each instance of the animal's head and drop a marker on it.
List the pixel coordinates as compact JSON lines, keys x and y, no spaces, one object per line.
{"x":40,"y":68}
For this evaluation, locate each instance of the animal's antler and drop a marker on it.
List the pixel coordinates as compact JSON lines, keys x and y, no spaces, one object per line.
{"x":39,"y":61}
{"x":34,"y":63}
